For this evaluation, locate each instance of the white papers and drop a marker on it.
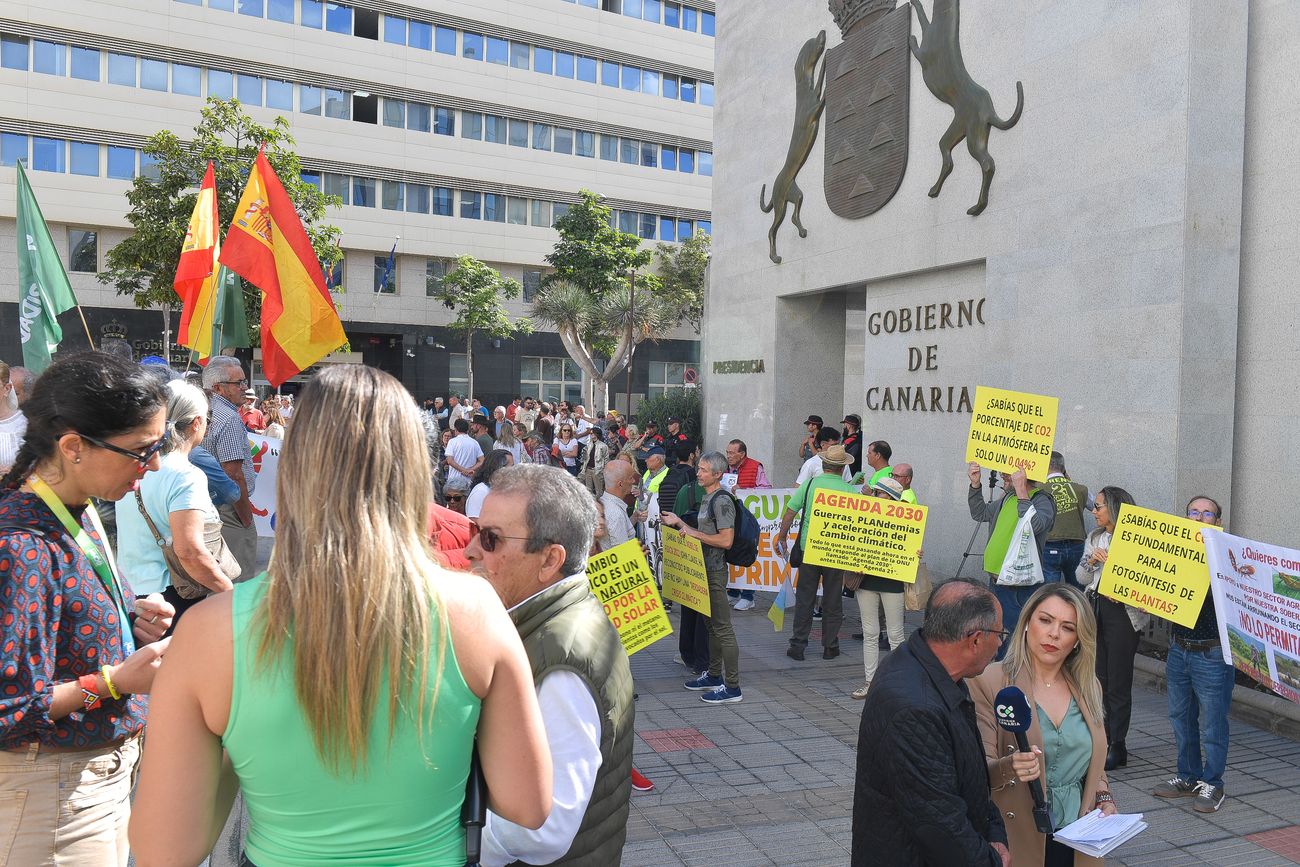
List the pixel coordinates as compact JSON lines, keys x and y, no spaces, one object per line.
{"x":1098,"y":835}
{"x":729,"y":481}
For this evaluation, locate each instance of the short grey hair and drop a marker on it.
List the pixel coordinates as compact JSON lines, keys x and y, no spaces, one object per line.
{"x":956,"y":608}
{"x":457,"y":484}
{"x":217,"y":367}
{"x":185,"y":403}
{"x":560,"y":510}
{"x":715,"y":461}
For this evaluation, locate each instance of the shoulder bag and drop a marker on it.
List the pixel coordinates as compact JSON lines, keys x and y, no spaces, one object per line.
{"x":186,"y":586}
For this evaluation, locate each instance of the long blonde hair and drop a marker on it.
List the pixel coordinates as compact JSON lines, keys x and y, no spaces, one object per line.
{"x":350,"y":580}
{"x":1080,"y":668}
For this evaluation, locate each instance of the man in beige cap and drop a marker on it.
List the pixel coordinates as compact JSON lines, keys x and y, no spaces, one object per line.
{"x":834,"y":460}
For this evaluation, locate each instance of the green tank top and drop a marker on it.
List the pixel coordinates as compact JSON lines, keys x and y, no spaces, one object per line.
{"x":402,"y":808}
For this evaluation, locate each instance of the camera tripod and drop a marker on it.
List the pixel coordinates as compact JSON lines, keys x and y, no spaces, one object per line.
{"x":993,"y":483}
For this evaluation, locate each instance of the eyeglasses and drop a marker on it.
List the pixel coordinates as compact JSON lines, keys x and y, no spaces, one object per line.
{"x":141,"y":458}
{"x":1101,"y":504}
{"x":1002,"y":634}
{"x":240,"y":382}
{"x":453,"y":498}
{"x":1197,"y":515}
{"x":489,"y":538}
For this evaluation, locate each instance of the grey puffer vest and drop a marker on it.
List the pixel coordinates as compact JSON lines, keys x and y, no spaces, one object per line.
{"x":564,"y":628}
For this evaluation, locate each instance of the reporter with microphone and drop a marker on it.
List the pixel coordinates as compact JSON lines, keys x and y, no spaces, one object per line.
{"x":1040,"y":718}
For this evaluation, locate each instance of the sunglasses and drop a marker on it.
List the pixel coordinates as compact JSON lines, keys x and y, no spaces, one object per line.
{"x":489,"y":538}
{"x":141,"y":458}
{"x":454,"y":498}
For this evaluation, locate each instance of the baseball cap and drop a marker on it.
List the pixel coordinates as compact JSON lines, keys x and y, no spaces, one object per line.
{"x":672,"y":419}
{"x":855,"y":420}
{"x":889,"y":487}
{"x":835,"y":456}
{"x":814,"y":419}
{"x":654,"y":450}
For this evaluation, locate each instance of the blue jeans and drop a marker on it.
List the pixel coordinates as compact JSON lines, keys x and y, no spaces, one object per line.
{"x":1200,"y":692}
{"x":1060,"y":559}
{"x":742,"y":594}
{"x":1012,"y":599}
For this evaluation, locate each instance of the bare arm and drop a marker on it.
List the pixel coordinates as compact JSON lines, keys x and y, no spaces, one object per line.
{"x":243,"y":507}
{"x":187,"y":541}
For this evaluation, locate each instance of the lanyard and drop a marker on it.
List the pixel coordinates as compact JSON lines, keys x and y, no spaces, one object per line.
{"x":105,"y":568}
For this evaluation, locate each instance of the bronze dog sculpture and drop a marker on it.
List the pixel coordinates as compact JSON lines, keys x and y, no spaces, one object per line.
{"x":944,"y":71}
{"x":809,"y":103}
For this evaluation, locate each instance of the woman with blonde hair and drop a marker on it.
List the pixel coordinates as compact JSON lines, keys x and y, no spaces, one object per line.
{"x":1051,"y":657}
{"x":274,"y":418}
{"x":347,"y":684}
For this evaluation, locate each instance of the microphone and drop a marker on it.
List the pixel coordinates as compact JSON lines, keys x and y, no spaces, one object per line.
{"x":1011,"y":710}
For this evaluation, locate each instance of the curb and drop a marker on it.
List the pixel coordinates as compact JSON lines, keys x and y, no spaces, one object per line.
{"x":1267,"y":712}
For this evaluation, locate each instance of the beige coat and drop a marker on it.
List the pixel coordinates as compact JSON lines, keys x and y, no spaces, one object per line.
{"x":1012,"y":797}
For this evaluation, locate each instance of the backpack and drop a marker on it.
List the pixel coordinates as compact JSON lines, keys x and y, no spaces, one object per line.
{"x":744,"y":541}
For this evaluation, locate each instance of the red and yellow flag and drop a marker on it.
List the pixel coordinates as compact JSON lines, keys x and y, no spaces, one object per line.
{"x":268,"y":246}
{"x":195,"y":281}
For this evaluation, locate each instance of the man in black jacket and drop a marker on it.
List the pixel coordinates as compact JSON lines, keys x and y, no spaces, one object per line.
{"x":922,"y":795}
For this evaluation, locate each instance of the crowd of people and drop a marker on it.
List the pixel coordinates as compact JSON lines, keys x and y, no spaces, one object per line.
{"x":424,"y":636}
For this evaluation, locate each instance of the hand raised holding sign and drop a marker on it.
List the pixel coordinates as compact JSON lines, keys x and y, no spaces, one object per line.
{"x":1020,"y":484}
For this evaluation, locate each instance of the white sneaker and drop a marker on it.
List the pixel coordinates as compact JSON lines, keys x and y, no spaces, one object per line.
{"x":744,"y":604}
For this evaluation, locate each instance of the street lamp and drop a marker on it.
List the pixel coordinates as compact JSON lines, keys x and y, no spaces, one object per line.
{"x":631,"y":345}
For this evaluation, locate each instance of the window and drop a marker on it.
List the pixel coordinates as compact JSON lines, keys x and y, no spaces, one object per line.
{"x":365,"y":24}
{"x":312,"y":179}
{"x":394,"y":113}
{"x":420,"y":35}
{"x":223,"y":5}
{"x":632,"y":8}
{"x":670,"y":86}
{"x":153,"y":74}
{"x":649,"y":154}
{"x":629,"y":151}
{"x":471,"y":46}
{"x":627,"y":221}
{"x":518,"y":133}
{"x":563,"y":140}
{"x":434,"y":271}
{"x":704,"y":226}
{"x":121,"y":162}
{"x":543,"y":60}
{"x":385,"y":275}
{"x":457,"y":373}
{"x":249,"y":89}
{"x":83,"y":251}
{"x":85,"y":64}
{"x":338,"y":18}
{"x":494,"y":129}
{"x":121,"y":69}
{"x":280,"y":10}
{"x":672,"y":15}
{"x":498,"y":50}
{"x":705,"y":163}
{"x":339,"y":185}
{"x":666,"y":377}
{"x":519,"y":55}
{"x":587,"y":69}
{"x":471,"y":125}
{"x":688,"y":90}
{"x":668,"y":158}
{"x":471,"y":205}
{"x":149,"y":167}
{"x":684,"y":230}
{"x":517,"y":211}
{"x":186,"y":80}
{"x":13,"y":147}
{"x":550,"y":379}
{"x":541,"y":137}
{"x":84,"y":159}
{"x":13,"y":52}
{"x":646,"y":226}
{"x":363,"y":192}
{"x":444,"y":121}
{"x":541,"y":216}
{"x":558,"y":211}
{"x":394,"y":30}
{"x":221,"y":84}
{"x":564,"y":63}
{"x":650,"y":10}
{"x":338,"y":103}
{"x":494,"y":207}
{"x":49,"y":154}
{"x":584,"y":143}
{"x":689,"y":17}
{"x":365,"y":108}
{"x":631,"y":78}
{"x":444,"y":40}
{"x":707,"y":23}
{"x":667,"y":229}
{"x":532,"y":284}
{"x":442,"y":201}
{"x":252,"y":8}
{"x":49,"y":58}
{"x":312,"y":14}
{"x":417,"y":116}
{"x":333,"y":274}
{"x":650,"y":82}
{"x":686,"y":161}
{"x":609,"y":147}
{"x":417,"y":199}
{"x":393,"y":196}
{"x":309,"y":99}
{"x":608,"y":73}
{"x":279,"y":94}
{"x":706,"y":93}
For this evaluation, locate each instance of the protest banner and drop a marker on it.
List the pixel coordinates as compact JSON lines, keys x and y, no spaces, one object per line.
{"x":683,"y":571}
{"x":266,"y":464}
{"x":864,"y":534}
{"x":1010,"y":430}
{"x":1157,"y":563}
{"x":1257,"y":599}
{"x":624,"y":584}
{"x":770,"y":570}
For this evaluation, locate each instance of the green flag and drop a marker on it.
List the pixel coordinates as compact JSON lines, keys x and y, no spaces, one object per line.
{"x":44,"y":290}
{"x":229,"y":321}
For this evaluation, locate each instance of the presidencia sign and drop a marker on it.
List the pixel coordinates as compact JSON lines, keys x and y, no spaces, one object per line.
{"x":864,"y":534}
{"x":685,"y":581}
{"x":1157,"y":563}
{"x":624,"y":584}
{"x":1010,"y":430}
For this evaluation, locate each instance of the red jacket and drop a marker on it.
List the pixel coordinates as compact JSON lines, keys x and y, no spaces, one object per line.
{"x":747,"y":473}
{"x":450,"y":532}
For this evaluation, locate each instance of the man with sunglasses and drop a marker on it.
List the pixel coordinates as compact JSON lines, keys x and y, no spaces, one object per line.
{"x":227,"y":441}
{"x":535,"y":529}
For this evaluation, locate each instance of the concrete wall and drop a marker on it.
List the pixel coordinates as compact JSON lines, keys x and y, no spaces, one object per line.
{"x":1108,"y":257}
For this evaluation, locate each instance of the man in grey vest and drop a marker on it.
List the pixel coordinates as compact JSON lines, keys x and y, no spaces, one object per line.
{"x":535,"y":530}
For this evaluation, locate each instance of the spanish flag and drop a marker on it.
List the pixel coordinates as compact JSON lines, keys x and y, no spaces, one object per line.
{"x":268,"y":246}
{"x":195,"y":282}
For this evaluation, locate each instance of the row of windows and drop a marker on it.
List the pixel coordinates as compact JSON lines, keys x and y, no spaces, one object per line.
{"x":675,"y":15}
{"x":56,"y":58}
{"x":44,"y":154}
{"x":393,"y":29}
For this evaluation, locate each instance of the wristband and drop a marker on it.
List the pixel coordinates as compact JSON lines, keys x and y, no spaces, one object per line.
{"x":1105,"y":798}
{"x":108,"y":682}
{"x":90,"y":699}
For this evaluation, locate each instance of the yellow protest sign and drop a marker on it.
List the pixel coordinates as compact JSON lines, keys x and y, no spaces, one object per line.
{"x":864,"y":534}
{"x":624,"y":584}
{"x":1010,"y":430}
{"x":1157,"y":563}
{"x":683,"y":569}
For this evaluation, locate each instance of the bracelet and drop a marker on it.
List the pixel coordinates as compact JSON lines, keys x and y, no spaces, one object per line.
{"x":1105,"y":798}
{"x":108,"y":682}
{"x":90,"y":699}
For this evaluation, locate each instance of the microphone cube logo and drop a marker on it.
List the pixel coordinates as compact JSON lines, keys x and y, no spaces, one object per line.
{"x":1006,"y":711}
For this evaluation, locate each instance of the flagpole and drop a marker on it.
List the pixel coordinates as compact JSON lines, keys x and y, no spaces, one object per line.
{"x":89,"y":339}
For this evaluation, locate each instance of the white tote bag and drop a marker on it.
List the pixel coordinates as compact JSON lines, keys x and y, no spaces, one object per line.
{"x":1022,"y":566}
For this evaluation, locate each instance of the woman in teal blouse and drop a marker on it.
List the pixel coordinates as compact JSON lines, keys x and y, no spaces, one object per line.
{"x":1051,"y":657}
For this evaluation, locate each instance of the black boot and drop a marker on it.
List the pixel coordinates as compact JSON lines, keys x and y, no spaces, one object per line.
{"x":1116,"y":756}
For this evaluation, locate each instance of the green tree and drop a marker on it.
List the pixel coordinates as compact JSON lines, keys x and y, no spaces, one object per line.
{"x":474,"y":290}
{"x":144,"y":265}
{"x":683,"y":278}
{"x":591,"y":254}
